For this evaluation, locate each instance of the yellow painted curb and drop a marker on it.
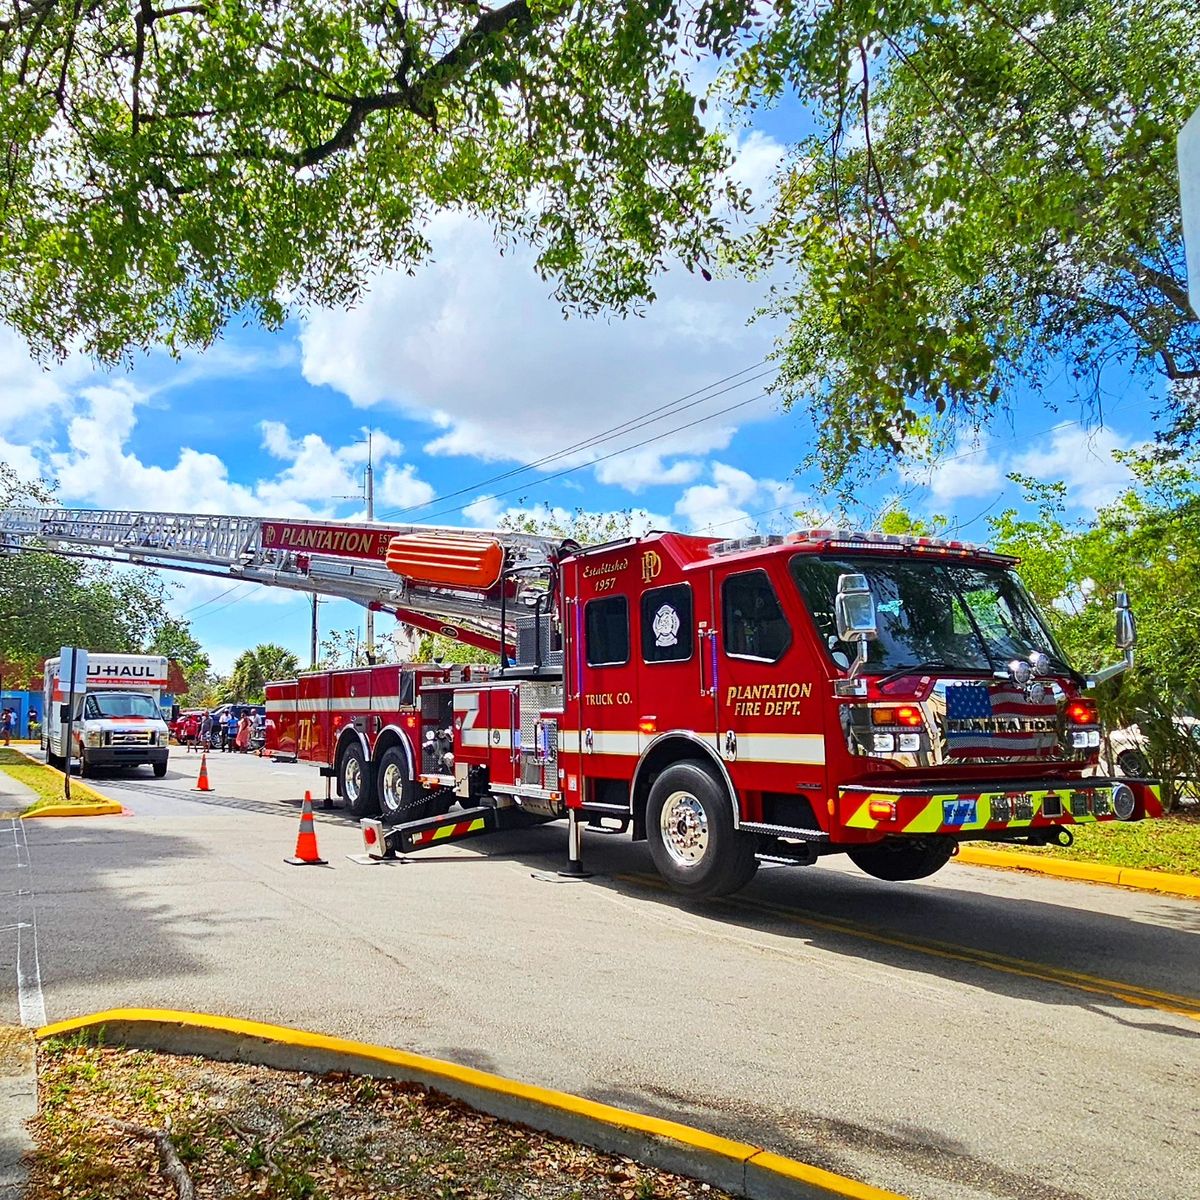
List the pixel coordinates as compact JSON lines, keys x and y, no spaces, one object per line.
{"x":1149,"y":881}
{"x":734,"y":1166}
{"x":106,"y":808}
{"x":1160,"y":881}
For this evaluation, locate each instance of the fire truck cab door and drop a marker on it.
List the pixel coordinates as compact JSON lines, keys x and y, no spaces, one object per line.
{"x":601,"y":701}
{"x":769,"y":719}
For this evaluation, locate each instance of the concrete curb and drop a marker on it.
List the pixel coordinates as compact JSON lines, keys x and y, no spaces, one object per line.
{"x":734,"y":1166}
{"x":97,"y":805}
{"x":107,"y":808}
{"x":1062,"y":868}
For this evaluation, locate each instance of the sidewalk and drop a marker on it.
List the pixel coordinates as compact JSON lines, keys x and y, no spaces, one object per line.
{"x":15,"y":796}
{"x":18,"y":1104}
{"x":18,"y":1072}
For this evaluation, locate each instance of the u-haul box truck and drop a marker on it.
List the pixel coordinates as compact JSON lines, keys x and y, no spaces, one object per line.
{"x":118,"y":721}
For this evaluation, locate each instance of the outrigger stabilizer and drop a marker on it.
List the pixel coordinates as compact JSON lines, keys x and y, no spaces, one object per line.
{"x":382,"y":842}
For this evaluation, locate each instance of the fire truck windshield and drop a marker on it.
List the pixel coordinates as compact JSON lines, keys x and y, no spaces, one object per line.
{"x":119,"y":704}
{"x":929,"y":611}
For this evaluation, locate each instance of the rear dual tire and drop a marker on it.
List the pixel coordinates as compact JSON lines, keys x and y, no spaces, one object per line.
{"x":355,"y":783}
{"x":399,"y":800}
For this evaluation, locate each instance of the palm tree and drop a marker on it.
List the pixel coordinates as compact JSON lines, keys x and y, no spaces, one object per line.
{"x":253,"y":668}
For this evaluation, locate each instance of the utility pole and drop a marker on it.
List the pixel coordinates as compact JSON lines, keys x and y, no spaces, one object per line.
{"x":312,"y":653}
{"x":370,"y":517}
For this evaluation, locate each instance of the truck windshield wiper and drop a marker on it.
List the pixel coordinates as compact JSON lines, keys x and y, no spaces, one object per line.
{"x":922,"y":668}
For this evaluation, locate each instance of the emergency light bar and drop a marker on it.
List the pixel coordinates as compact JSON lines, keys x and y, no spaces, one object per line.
{"x":853,"y":539}
{"x":874,"y":539}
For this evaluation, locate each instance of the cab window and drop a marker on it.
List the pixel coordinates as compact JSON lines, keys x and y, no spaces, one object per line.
{"x":753,"y":624}
{"x":606,"y":631}
{"x":667,"y":624}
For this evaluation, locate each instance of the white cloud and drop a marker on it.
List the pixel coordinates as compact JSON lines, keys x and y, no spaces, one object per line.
{"x":94,"y":466}
{"x":645,"y":468}
{"x":1083,"y":460}
{"x":473,"y":347}
{"x":735,"y":503}
{"x":31,"y":395}
{"x":968,"y":470}
{"x":22,"y":460}
{"x":758,"y":158}
{"x":400,"y":488}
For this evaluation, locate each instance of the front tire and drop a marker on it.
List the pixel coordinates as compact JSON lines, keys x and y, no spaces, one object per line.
{"x":900,"y":861}
{"x":1133,"y":763}
{"x":160,"y":769}
{"x":689,"y":825}
{"x":354,"y":782}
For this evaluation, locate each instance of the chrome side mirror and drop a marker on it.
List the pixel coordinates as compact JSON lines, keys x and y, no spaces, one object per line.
{"x":854,"y":610}
{"x":1126,"y":625}
{"x":1126,"y":640}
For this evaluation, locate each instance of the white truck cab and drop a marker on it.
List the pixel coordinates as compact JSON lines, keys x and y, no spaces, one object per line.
{"x":117,"y":721}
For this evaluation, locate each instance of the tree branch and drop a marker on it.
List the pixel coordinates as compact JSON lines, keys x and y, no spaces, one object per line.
{"x":1152,"y":277}
{"x":145,"y":15}
{"x":461,"y":58}
{"x":419,"y":97}
{"x":170,"y":1164}
{"x":32,"y":11}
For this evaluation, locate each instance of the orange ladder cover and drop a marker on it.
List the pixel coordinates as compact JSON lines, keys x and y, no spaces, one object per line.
{"x":454,"y":560}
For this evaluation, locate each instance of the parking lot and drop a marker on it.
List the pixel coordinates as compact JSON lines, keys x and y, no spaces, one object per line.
{"x":959,"y":1037}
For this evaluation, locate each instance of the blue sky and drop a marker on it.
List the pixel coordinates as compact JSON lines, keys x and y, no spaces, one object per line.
{"x":467,"y":371}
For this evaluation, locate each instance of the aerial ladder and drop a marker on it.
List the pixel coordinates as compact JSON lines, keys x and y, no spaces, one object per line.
{"x":455,"y":582}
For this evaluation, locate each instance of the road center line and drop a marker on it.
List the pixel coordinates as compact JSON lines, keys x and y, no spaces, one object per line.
{"x":1128,"y":993}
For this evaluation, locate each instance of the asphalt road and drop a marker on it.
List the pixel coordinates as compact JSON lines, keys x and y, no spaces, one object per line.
{"x":978,"y":1034}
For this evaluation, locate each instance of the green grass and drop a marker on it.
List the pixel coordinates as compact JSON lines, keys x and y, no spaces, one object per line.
{"x":45,"y":781}
{"x":1171,"y":844}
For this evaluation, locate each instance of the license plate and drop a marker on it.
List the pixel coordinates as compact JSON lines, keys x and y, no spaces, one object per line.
{"x":959,"y":812}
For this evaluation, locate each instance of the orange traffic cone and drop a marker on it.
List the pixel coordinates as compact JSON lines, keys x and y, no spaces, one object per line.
{"x":307,"y":854}
{"x":202,"y":781}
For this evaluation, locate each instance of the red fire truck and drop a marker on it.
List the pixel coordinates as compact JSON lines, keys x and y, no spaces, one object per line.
{"x":733,"y":702}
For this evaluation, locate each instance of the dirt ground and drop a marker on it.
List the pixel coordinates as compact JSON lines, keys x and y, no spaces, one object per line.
{"x":247,"y":1131}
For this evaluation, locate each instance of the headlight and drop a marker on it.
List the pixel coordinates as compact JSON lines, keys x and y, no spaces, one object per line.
{"x":94,"y":737}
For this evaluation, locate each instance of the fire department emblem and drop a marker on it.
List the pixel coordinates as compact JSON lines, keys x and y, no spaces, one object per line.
{"x":666,"y":626}
{"x":651,"y":566}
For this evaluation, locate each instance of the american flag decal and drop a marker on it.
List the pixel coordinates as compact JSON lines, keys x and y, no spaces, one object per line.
{"x":998,"y":721}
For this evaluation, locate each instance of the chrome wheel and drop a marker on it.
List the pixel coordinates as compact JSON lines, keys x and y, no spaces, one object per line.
{"x":684,"y":826}
{"x":392,"y":788}
{"x":352,"y":779}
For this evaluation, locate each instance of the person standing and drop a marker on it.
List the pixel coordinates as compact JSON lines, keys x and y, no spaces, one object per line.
{"x":7,"y":720}
{"x":206,"y":729}
{"x":242,"y":741}
{"x":231,"y":728}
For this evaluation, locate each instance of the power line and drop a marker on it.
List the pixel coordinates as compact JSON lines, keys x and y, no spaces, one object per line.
{"x":652,"y":416}
{"x":206,"y":603}
{"x":605,"y":457}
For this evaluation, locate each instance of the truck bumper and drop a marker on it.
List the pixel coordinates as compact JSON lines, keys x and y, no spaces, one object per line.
{"x":124,"y":756}
{"x":992,"y":811}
